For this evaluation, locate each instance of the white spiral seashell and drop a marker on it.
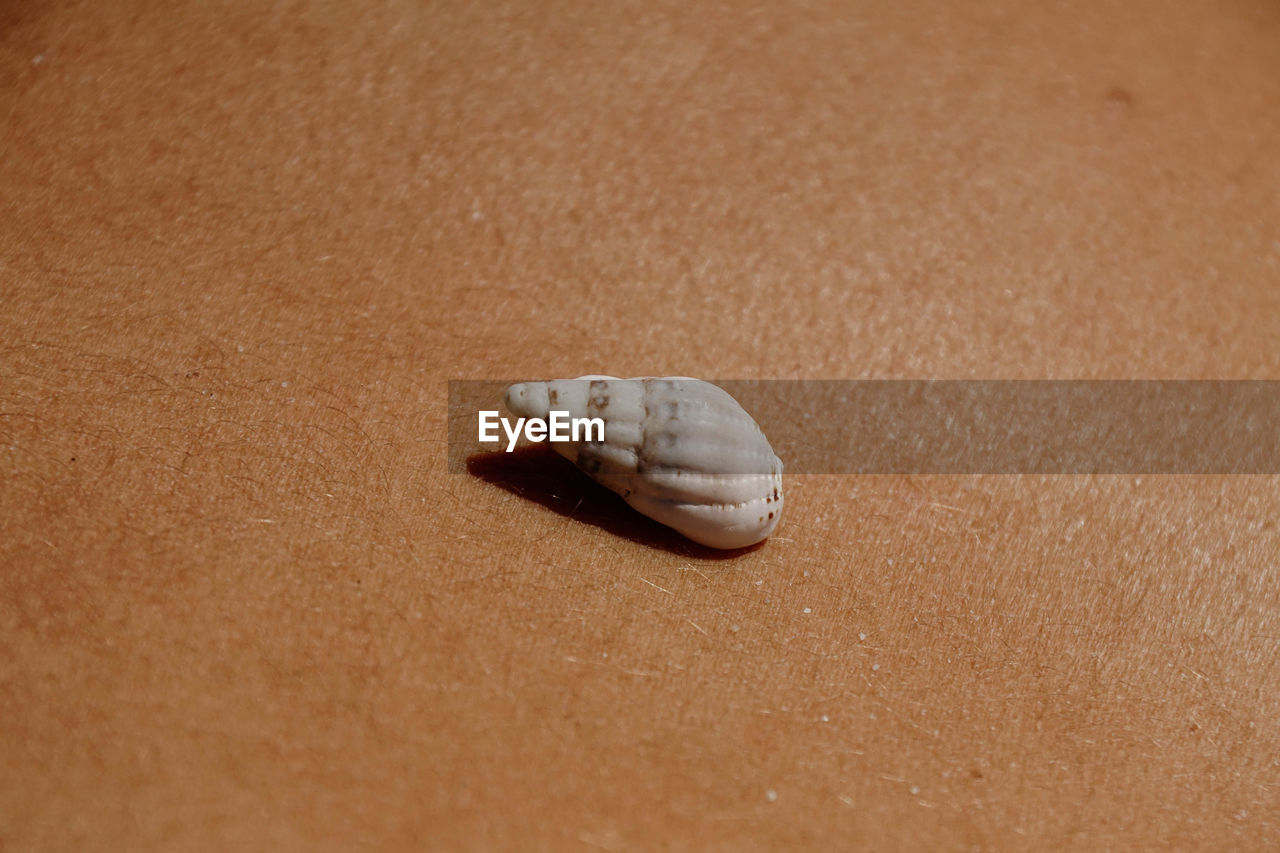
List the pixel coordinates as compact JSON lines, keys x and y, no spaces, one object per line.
{"x":679,"y":450}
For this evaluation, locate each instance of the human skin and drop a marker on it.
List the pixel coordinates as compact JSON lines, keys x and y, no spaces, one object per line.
{"x":244,"y":602}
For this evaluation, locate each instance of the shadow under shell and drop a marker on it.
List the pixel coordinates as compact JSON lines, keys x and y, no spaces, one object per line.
{"x":539,"y":474}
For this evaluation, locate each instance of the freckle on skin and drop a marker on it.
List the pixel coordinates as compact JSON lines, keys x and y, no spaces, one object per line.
{"x":1118,"y":96}
{"x":1118,"y":103}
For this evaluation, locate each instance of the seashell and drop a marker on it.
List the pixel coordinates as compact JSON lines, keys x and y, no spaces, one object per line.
{"x":679,"y":450}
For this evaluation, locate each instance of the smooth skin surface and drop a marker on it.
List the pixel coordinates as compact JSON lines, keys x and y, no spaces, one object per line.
{"x":243,"y":247}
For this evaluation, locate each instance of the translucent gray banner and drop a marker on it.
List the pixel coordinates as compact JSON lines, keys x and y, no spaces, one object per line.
{"x":980,"y":427}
